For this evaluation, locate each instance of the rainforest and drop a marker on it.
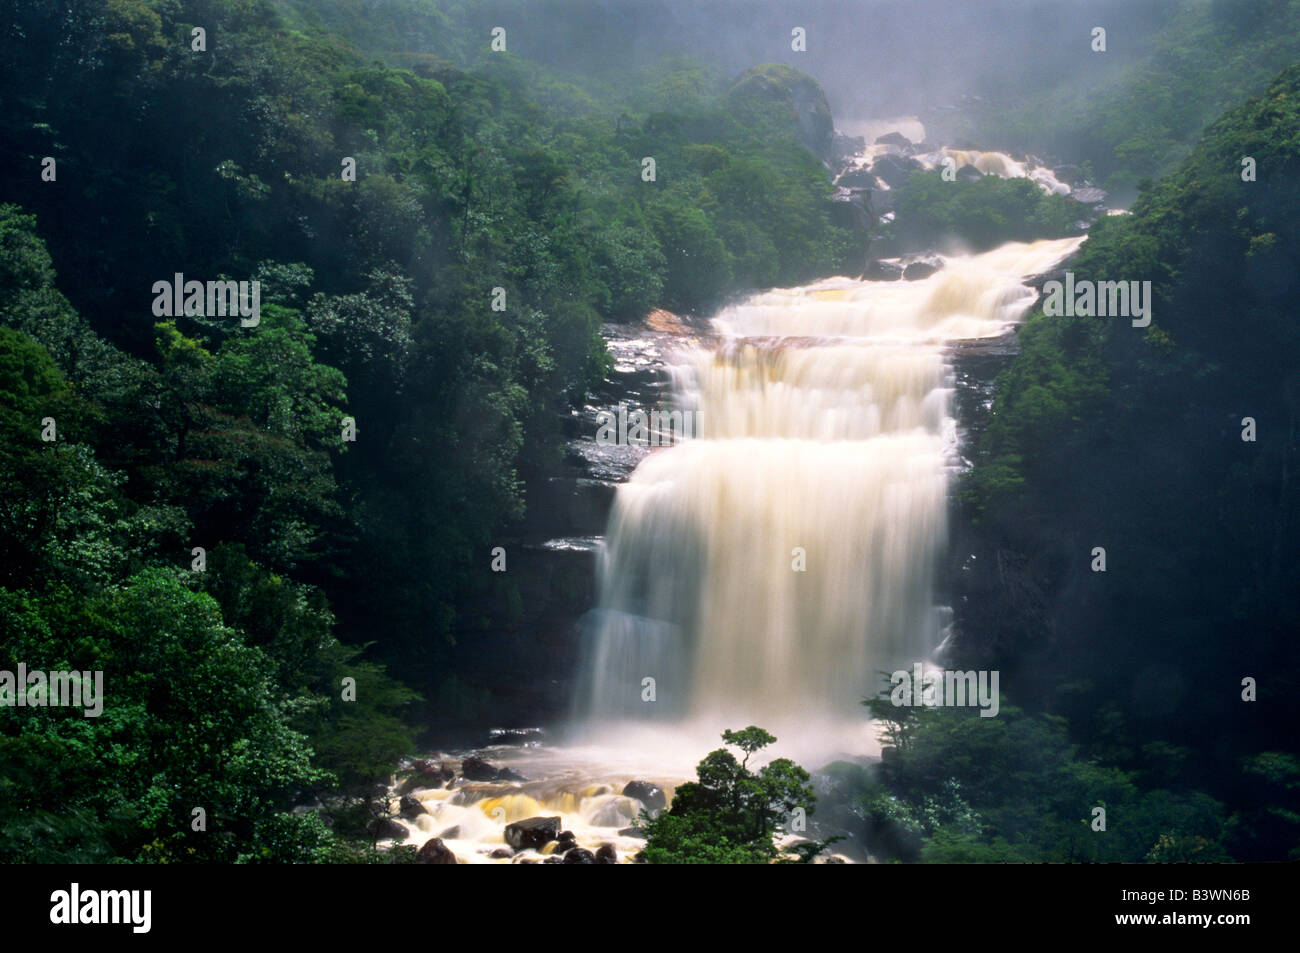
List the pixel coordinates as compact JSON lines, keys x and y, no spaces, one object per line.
{"x":589,"y":431}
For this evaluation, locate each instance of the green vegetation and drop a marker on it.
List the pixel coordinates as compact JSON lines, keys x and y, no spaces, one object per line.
{"x":326,"y":559}
{"x":980,"y":214}
{"x":731,"y":815}
{"x":959,"y":788}
{"x":1088,"y":445}
{"x":1138,"y":120}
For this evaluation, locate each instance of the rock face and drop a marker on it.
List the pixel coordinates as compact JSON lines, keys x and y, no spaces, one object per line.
{"x":651,"y":795}
{"x":435,"y":852}
{"x":535,"y":832}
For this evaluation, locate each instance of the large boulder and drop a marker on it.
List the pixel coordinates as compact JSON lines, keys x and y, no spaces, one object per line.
{"x":922,"y":268}
{"x":411,"y":807}
{"x":534,"y":832}
{"x":894,"y":139}
{"x":385,"y":828}
{"x":435,"y":851}
{"x":475,"y":768}
{"x":849,"y":209}
{"x":579,"y":855}
{"x":606,"y":854}
{"x":427,"y":773}
{"x":894,"y":170}
{"x":783,"y":98}
{"x":859,"y":177}
{"x":878,"y":270}
{"x":651,"y":795}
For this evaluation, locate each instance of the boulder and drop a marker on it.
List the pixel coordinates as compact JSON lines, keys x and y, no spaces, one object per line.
{"x":534,"y":832}
{"x":922,"y":268}
{"x":857,"y":178}
{"x":475,"y":768}
{"x":427,"y":773}
{"x":385,"y":828}
{"x":501,"y":853}
{"x":435,"y":851}
{"x":849,"y":209}
{"x":650,"y":795}
{"x":411,"y":807}
{"x":882,"y":271}
{"x":894,"y":170}
{"x":579,"y":855}
{"x":606,"y":854}
{"x":968,"y":173}
{"x":565,"y":841}
{"x":894,"y":139}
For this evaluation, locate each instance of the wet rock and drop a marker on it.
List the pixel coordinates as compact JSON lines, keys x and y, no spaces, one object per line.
{"x":894,"y":170}
{"x":849,"y":209}
{"x":845,"y":147}
{"x":435,"y":852}
{"x":606,"y":854}
{"x":860,"y":178}
{"x":651,"y":795}
{"x":411,"y":807}
{"x":427,"y":773}
{"x":922,"y":268}
{"x":565,"y":841}
{"x":475,"y":768}
{"x":632,"y":832}
{"x":579,"y":855}
{"x":1089,"y":196}
{"x":514,"y":736}
{"x":385,"y":828}
{"x":534,"y":832}
{"x":501,"y":853}
{"x":451,"y":833}
{"x":894,"y":139}
{"x":883,"y":271}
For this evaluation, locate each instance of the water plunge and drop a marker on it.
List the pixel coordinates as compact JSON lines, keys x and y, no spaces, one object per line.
{"x":763,"y":572}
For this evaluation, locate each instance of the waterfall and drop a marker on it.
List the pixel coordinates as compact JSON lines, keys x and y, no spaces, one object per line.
{"x":764,"y":571}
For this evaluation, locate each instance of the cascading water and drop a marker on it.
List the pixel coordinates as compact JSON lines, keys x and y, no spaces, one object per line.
{"x":823,"y":429}
{"x":763,"y":572}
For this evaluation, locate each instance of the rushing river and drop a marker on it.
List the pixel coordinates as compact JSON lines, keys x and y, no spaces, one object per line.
{"x":763,"y":571}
